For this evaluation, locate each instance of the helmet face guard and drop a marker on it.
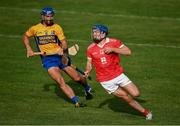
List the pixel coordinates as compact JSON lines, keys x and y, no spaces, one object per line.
{"x":47,"y":15}
{"x":99,"y":32}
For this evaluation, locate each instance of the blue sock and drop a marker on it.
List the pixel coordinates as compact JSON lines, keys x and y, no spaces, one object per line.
{"x":87,"y":88}
{"x":75,"y":99}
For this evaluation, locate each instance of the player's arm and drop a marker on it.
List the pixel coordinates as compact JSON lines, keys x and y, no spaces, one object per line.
{"x":29,"y":50}
{"x":64,"y":45}
{"x":61,"y":37}
{"x":122,"y":50}
{"x":88,"y":66}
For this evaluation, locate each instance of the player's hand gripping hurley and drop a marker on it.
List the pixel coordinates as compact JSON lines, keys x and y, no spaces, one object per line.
{"x":73,"y":50}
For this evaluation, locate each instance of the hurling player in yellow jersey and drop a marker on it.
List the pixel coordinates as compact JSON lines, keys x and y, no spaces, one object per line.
{"x":49,"y":38}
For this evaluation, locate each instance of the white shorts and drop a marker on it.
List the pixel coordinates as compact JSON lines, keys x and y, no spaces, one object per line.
{"x":112,"y":85}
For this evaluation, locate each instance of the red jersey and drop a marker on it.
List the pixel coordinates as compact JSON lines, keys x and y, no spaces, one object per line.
{"x":106,"y":65}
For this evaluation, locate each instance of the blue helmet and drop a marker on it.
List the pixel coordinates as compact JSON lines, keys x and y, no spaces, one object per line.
{"x":47,"y":11}
{"x":101,"y":28}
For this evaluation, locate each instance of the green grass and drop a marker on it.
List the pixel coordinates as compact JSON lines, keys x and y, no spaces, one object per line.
{"x":29,"y":96}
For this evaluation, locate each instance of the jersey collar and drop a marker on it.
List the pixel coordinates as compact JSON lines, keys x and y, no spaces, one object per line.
{"x":107,"y":40}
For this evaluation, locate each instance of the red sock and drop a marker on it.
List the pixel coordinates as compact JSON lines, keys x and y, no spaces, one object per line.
{"x":146,"y":112}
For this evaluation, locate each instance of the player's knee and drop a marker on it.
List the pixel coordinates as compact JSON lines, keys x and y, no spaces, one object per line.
{"x":136,"y":94}
{"x":77,"y":78}
{"x":60,"y":82}
{"x":126,"y":98}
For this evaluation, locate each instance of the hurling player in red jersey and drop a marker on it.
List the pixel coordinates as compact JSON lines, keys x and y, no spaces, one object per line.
{"x":104,"y":53}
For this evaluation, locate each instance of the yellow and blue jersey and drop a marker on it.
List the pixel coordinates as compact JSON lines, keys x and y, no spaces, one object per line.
{"x":47,"y":37}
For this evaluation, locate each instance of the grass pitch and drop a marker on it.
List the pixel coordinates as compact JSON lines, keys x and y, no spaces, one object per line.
{"x":150,"y":28}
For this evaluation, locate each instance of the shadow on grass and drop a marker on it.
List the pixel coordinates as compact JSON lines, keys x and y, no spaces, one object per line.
{"x":118,"y":105}
{"x":77,"y":88}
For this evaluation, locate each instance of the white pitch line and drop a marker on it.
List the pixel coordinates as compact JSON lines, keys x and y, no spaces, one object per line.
{"x":10,"y":36}
{"x":76,"y":40}
{"x":136,"y":44}
{"x":154,"y":45}
{"x":98,"y":14}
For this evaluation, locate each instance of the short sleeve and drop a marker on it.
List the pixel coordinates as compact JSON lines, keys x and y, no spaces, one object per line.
{"x":118,"y":44}
{"x":30,"y":32}
{"x":88,"y":53}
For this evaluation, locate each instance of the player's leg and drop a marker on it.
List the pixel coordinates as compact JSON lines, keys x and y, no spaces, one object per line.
{"x":54,"y":73}
{"x":127,"y":84}
{"x":121,"y":93}
{"x":72,"y":73}
{"x":113,"y":86}
{"x":126,"y":97}
{"x":80,"y":79}
{"x":132,"y":89}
